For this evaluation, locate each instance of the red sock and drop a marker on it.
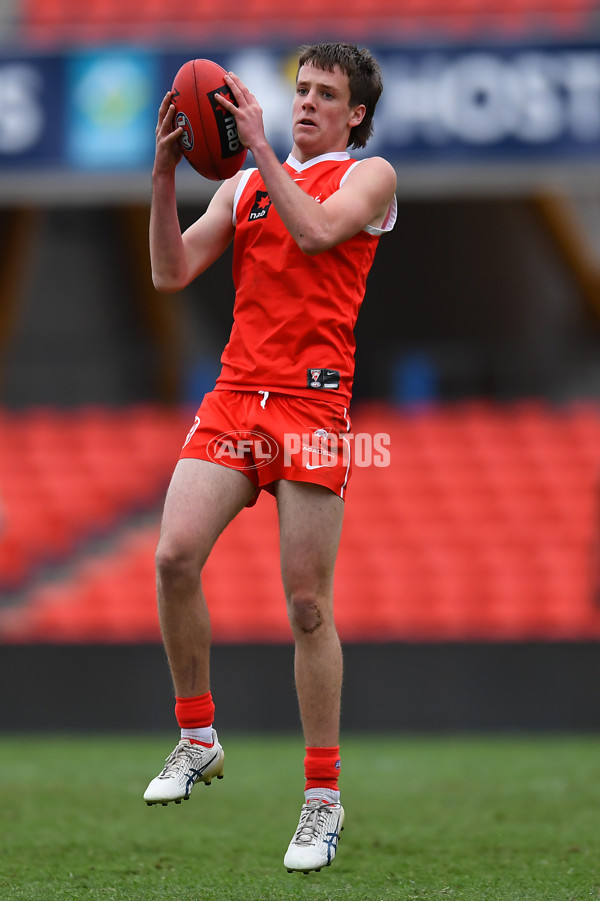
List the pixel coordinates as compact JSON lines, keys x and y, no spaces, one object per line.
{"x":195,"y":713}
{"x":322,"y":768}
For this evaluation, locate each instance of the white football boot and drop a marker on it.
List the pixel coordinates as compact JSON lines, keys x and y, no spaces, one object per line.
{"x":185,"y":766}
{"x":315,"y":842}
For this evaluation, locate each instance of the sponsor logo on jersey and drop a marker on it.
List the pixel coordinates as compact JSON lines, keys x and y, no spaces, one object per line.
{"x":323,"y":378}
{"x":261,"y":206}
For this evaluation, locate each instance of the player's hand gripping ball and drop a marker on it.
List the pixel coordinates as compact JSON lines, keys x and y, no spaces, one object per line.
{"x":210,"y":140}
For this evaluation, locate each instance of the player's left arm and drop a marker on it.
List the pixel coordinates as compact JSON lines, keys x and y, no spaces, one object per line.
{"x":364,"y":199}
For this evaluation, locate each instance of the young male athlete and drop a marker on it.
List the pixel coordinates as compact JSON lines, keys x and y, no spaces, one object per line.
{"x":305,"y":235}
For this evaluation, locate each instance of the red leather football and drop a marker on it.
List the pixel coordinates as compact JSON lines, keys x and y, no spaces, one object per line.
{"x":210,"y":141}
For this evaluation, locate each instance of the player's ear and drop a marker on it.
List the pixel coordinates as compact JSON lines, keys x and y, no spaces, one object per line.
{"x":357,"y":114}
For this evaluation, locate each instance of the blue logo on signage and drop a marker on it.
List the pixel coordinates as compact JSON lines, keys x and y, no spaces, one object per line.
{"x":110,"y":119}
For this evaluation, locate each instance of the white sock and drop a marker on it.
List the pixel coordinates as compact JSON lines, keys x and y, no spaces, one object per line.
{"x":203,"y":734}
{"x":322,"y":794}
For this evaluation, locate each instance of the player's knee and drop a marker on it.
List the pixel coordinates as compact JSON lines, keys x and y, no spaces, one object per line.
{"x":305,"y":613}
{"x":176,"y":563}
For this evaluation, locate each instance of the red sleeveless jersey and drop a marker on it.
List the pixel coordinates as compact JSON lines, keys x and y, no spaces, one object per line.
{"x":294,"y":315}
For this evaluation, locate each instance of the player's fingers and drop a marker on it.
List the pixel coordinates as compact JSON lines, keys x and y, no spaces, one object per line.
{"x":237,"y":85}
{"x":166,"y":122}
{"x":164,"y":111}
{"x":164,"y":106}
{"x":172,"y":134}
{"x":225,"y":102}
{"x":169,"y":144}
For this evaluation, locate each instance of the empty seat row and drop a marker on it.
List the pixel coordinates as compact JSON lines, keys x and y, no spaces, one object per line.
{"x":436,"y":549}
{"x":99,"y":18}
{"x":70,"y":476}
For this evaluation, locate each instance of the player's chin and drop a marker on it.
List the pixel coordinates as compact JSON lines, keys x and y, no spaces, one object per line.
{"x":309,"y":131}
{"x":306,"y":139}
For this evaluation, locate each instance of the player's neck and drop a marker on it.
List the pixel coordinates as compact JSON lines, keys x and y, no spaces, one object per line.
{"x":295,"y":163}
{"x":306,"y":157}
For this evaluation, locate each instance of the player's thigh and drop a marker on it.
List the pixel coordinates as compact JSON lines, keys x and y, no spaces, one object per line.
{"x":310,"y":525}
{"x":202,"y":499}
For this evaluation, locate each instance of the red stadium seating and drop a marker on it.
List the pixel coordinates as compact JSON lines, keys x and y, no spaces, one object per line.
{"x":485,"y":525}
{"x":101,"y":20}
{"x":67,"y":478}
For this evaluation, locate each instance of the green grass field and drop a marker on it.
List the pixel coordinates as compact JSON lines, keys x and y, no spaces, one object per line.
{"x":499,"y":819}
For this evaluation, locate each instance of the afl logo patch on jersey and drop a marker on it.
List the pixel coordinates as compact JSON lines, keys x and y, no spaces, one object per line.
{"x":323,"y":378}
{"x":261,"y":206}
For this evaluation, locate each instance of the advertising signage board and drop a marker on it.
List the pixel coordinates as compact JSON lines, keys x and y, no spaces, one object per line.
{"x":95,"y":110}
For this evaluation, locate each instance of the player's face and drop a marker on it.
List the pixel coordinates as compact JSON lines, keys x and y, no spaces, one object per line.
{"x":321,"y":113}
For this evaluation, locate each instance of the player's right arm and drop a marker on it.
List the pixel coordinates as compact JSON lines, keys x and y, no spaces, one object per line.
{"x":177,"y":259}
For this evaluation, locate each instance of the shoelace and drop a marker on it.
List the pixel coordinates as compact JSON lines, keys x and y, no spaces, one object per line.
{"x":311,"y":822}
{"x":176,"y":761}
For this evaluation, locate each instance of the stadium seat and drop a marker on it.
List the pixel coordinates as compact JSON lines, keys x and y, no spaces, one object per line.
{"x":101,"y":20}
{"x":484,"y":526}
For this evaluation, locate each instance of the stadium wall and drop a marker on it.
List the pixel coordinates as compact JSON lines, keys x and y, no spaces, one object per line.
{"x":470,"y":288}
{"x":442,"y":687}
